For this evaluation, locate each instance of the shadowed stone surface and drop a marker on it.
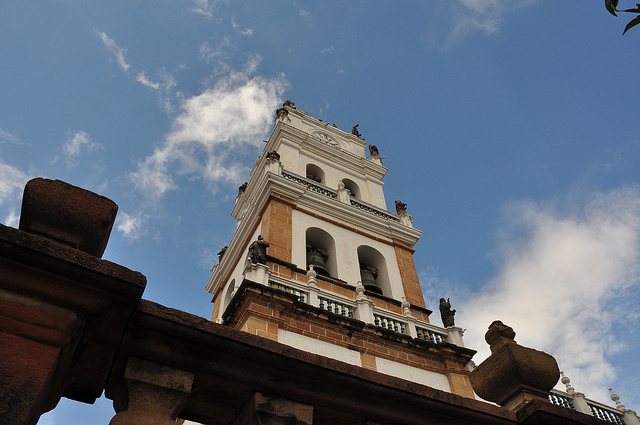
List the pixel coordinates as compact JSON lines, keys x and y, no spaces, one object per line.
{"x":68,"y":214}
{"x":513,"y":375}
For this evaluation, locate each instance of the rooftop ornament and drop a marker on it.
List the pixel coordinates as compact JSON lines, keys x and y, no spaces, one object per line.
{"x":446,"y":313}
{"x":258,"y":251}
{"x":68,"y":215}
{"x":513,"y":375}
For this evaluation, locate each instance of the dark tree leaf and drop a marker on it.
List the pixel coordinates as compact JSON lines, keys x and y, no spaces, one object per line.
{"x":611,"y":6}
{"x":635,"y":21}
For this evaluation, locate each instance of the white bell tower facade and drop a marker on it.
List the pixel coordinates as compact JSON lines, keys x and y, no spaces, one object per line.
{"x":333,"y":273}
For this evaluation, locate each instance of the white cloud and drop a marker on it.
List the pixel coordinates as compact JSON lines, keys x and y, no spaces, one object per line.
{"x":12,"y":182}
{"x":118,"y":52}
{"x":13,"y":219}
{"x":327,"y":50}
{"x":305,"y":14}
{"x":166,"y":80}
{"x":131,"y":226}
{"x":206,"y":7}
{"x":480,"y":16}
{"x":207,"y":54}
{"x":565,"y":285}
{"x":247,"y":31}
{"x":78,"y":143}
{"x":212,"y":133}
{"x":6,"y":137}
{"x":142,"y":78}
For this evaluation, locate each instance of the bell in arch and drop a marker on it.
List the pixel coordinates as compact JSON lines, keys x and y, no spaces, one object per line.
{"x":315,"y":259}
{"x":369,"y":280}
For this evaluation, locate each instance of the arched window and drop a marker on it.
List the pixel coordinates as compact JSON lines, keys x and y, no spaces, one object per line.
{"x":315,"y":173}
{"x":321,"y":252}
{"x":373,"y":271}
{"x":353,"y":188}
{"x":228,"y":295}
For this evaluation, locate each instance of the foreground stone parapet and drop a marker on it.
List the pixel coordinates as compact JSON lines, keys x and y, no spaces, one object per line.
{"x":264,"y":409}
{"x":513,"y":375}
{"x":68,"y":214}
{"x":151,"y":394}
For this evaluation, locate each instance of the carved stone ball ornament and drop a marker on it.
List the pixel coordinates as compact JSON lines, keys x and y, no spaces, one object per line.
{"x":513,"y":375}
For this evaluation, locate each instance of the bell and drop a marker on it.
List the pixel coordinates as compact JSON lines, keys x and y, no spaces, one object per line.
{"x":315,"y":259}
{"x":369,"y":281}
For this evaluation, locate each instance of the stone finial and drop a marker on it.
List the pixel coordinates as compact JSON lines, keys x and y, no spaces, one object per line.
{"x":406,"y":307}
{"x":567,"y":383}
{"x":311,"y":276}
{"x":513,"y":375}
{"x":616,"y":399}
{"x":68,"y":214}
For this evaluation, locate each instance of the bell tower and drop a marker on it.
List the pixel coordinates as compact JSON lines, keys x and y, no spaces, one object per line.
{"x":319,"y":263}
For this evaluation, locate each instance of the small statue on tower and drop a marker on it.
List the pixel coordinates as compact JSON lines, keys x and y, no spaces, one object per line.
{"x":258,"y":251}
{"x":221,"y":253}
{"x":401,"y":207}
{"x":355,"y":132}
{"x":446,"y":313}
{"x":274,"y":156}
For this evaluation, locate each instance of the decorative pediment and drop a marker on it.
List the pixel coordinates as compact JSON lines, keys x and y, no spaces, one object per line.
{"x":325,"y":137}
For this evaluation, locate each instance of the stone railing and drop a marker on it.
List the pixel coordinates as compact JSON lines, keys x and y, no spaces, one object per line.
{"x":578,"y":402}
{"x":365,"y":311}
{"x":606,"y":414}
{"x":389,"y":323}
{"x":373,"y":210}
{"x":302,"y":296}
{"x":430,"y":335}
{"x":314,"y":187}
{"x":336,"y":307}
{"x":311,"y":186}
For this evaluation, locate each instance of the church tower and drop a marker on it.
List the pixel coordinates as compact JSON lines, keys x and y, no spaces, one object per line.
{"x":319,"y":263}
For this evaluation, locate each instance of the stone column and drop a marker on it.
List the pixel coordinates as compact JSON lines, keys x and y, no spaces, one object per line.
{"x":152,"y":394}
{"x":258,"y":273}
{"x":454,"y":335}
{"x":364,"y":306}
{"x":264,"y":409}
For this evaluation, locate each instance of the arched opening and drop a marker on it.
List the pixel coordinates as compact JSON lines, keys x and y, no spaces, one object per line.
{"x":321,"y":252}
{"x":315,"y":173}
{"x":227,"y":297}
{"x":373,"y":271}
{"x":353,"y":188}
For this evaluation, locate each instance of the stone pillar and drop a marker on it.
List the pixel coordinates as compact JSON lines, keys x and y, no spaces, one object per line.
{"x":454,"y":335}
{"x":364,"y":306}
{"x":151,"y":394}
{"x":273,"y":166}
{"x":258,"y":273}
{"x":264,"y":409}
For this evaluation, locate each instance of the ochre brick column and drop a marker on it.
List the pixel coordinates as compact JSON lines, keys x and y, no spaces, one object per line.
{"x":409,"y":275}
{"x":276,"y":227}
{"x":458,"y":379}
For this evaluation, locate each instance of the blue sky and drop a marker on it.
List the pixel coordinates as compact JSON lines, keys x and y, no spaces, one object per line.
{"x":508,"y":128}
